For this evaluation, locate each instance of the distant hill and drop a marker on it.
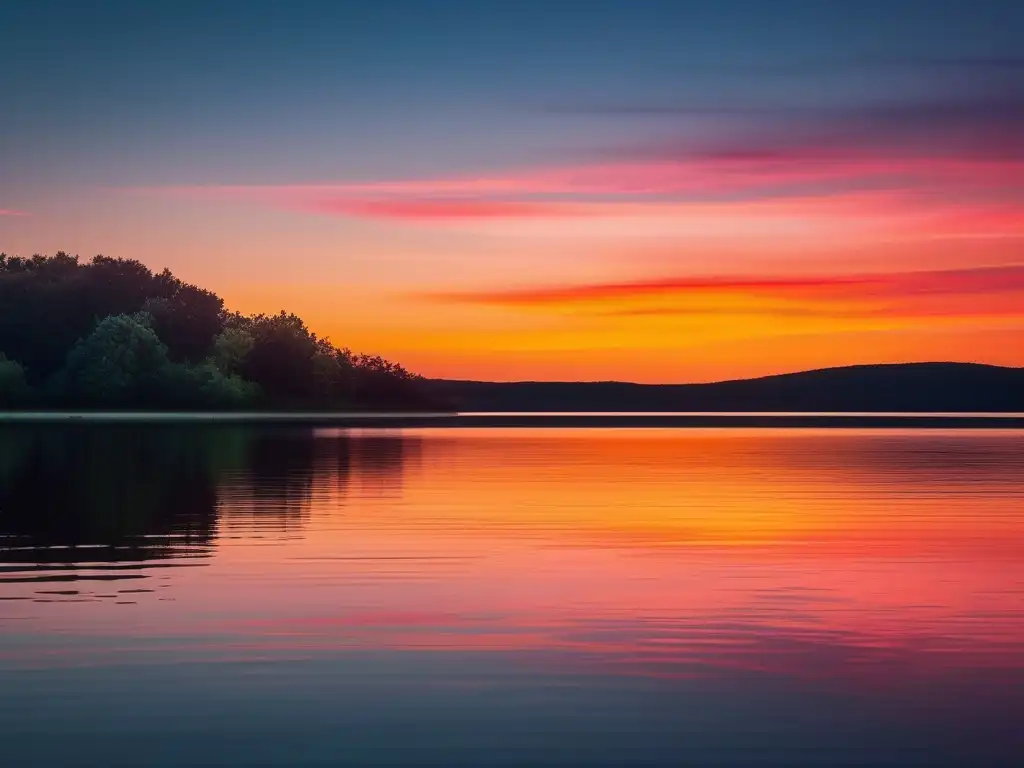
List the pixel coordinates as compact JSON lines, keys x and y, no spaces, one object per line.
{"x":908,"y":387}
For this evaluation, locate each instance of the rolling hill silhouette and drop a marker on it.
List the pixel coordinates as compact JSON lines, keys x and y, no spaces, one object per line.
{"x":903,"y":387}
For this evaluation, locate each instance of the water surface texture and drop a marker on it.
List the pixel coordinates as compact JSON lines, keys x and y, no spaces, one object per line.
{"x":187,"y":595}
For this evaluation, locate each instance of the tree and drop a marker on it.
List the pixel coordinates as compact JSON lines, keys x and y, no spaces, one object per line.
{"x":333,"y":380}
{"x":47,"y":304}
{"x":281,"y":358}
{"x":13,"y":387}
{"x":230,"y":349}
{"x":122,"y":361}
{"x":43,"y":310}
{"x":185,"y":317}
{"x":111,"y":332}
{"x":207,"y":386}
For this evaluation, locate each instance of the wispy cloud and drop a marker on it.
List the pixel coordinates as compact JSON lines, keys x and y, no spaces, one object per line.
{"x":959,"y":154}
{"x":435,"y":209}
{"x":758,"y":168}
{"x":964,"y":108}
{"x":12,"y":212}
{"x":972,"y":128}
{"x":984,"y":291}
{"x":528,"y":211}
{"x":973,"y":71}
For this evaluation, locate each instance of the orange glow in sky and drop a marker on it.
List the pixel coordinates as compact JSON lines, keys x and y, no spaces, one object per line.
{"x":667,"y":243}
{"x":630,"y":272}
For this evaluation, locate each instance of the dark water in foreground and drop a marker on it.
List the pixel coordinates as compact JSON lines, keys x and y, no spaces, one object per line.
{"x":187,"y":595}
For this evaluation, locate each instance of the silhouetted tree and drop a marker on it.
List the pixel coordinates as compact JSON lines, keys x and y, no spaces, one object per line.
{"x":230,"y":348}
{"x":281,"y":358}
{"x":186,"y":318}
{"x":122,"y":361}
{"x":13,"y":388}
{"x":382,"y":384}
{"x":47,"y":304}
{"x":109,"y":332}
{"x":207,"y":386}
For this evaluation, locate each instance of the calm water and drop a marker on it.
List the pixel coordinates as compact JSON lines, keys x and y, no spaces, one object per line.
{"x":188,"y":595}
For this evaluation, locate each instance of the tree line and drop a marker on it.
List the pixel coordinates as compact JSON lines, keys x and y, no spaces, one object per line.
{"x":110,"y":333}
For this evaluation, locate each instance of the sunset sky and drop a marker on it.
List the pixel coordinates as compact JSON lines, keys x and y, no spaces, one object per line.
{"x":648,"y":191}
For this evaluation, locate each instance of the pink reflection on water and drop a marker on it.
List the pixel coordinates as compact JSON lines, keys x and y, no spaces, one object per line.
{"x":864,"y":559}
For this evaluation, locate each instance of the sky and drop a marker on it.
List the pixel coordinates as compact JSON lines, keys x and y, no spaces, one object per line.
{"x":637,"y":190}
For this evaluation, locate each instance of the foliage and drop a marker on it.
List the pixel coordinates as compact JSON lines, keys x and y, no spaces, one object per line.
{"x":122,"y":361}
{"x":186,"y":318}
{"x":13,"y":388}
{"x":48,"y":304}
{"x":230,"y":348}
{"x":281,"y":358}
{"x":206,"y":385}
{"x":111,"y":333}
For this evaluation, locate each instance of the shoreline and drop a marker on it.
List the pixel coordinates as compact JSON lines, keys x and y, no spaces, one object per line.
{"x":401,"y":420}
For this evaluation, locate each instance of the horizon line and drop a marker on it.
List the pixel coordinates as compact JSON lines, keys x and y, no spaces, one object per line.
{"x":908,"y":364}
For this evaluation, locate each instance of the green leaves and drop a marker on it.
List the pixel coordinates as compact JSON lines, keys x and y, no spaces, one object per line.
{"x":122,"y":361}
{"x":13,"y":387}
{"x":110,"y":333}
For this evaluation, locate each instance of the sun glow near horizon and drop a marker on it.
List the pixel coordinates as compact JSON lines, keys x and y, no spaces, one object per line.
{"x":726,"y":214}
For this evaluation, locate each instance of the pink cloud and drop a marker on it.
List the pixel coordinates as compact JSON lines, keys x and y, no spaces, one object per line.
{"x":12,"y":212}
{"x":703,"y":175}
{"x":662,"y":286}
{"x":902,"y":212}
{"x":433,"y":209}
{"x":782,"y":190}
{"x":955,"y":292}
{"x":850,"y":206}
{"x":888,"y":214}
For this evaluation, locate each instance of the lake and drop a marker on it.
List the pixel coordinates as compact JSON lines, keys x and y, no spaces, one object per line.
{"x":222,"y":595}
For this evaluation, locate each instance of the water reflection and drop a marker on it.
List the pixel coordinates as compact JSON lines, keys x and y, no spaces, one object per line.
{"x":514,"y":596}
{"x":108,"y":495}
{"x":95,"y":503}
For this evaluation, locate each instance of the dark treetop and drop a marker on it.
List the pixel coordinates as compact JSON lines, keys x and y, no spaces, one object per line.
{"x":111,"y":334}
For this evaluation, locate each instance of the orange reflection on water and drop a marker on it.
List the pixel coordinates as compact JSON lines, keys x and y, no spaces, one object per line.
{"x":834,"y":554}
